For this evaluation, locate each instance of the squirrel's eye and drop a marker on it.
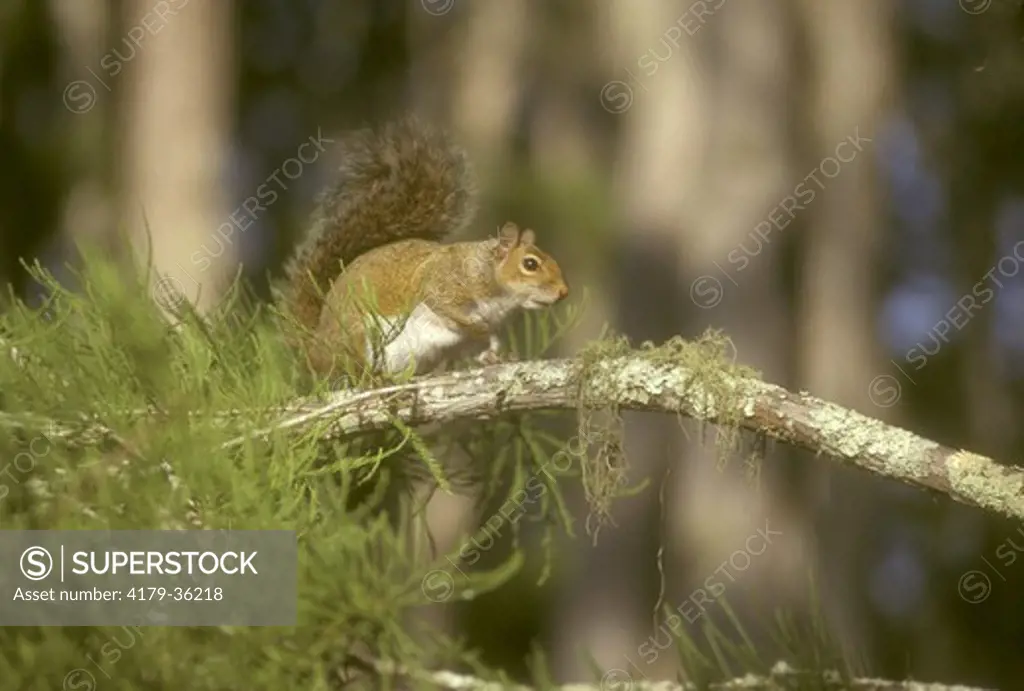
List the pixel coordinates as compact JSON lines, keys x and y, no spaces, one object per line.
{"x":531,"y":264}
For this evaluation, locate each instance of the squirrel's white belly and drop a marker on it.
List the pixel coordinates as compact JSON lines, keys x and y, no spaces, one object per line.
{"x":424,"y":338}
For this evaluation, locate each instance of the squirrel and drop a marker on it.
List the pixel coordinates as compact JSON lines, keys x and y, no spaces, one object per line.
{"x":373,"y":284}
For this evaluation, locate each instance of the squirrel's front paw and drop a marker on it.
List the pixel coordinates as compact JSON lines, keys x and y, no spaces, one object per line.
{"x":489,"y":357}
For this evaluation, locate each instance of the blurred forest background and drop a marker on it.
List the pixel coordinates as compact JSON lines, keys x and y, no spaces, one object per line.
{"x":835,"y":183}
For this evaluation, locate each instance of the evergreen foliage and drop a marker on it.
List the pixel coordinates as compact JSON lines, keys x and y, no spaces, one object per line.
{"x":163,"y":391}
{"x":120,"y":413}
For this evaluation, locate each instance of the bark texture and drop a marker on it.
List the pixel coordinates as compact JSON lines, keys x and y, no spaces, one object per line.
{"x":637,"y":381}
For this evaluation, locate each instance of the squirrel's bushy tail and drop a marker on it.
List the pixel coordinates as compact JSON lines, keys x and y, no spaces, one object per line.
{"x":400,"y":182}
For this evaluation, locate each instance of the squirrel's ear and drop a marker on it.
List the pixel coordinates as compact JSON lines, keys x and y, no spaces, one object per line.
{"x":509,"y":235}
{"x":508,"y":238}
{"x":527,"y":237}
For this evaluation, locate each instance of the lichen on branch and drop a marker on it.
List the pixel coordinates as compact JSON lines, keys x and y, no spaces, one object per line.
{"x":690,"y":379}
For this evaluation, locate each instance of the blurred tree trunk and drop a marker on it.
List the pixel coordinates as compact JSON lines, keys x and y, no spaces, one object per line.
{"x":489,"y":88}
{"x":88,"y":213}
{"x":703,"y":159}
{"x":851,"y":78}
{"x":178,"y":96}
{"x":734,"y":269}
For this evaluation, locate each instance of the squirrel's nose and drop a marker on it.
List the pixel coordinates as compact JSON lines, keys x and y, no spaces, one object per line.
{"x":563,"y":292}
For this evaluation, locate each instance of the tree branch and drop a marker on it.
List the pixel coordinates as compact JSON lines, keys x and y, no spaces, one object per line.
{"x":782,"y":676}
{"x":719,"y":394}
{"x":639,"y":382}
